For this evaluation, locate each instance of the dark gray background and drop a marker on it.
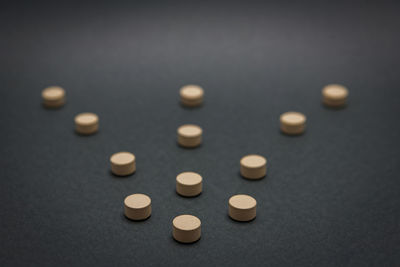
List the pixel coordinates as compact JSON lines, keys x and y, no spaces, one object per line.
{"x":331,"y":196}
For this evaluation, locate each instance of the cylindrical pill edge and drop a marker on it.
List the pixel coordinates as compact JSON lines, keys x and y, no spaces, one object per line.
{"x":140,"y":213}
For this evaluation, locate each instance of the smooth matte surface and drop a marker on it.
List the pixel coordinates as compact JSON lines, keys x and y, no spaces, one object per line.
{"x":137,"y":206}
{"x":186,"y":228}
{"x":331,"y":197}
{"x":123,"y":163}
{"x":186,"y":222}
{"x":242,"y":208}
{"x":53,"y":93}
{"x":253,"y":161}
{"x":86,"y":119}
{"x":191,"y":95}
{"x":242,"y":202}
{"x":189,"y":184}
{"x":53,"y":97}
{"x":253,"y":166}
{"x":334,"y":95}
{"x":190,"y":131}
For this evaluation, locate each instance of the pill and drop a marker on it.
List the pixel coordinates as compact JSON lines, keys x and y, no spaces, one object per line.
{"x":189,"y":184}
{"x":189,"y":135}
{"x":53,"y":97}
{"x":86,"y":123}
{"x":123,"y":163}
{"x":293,"y":123}
{"x":186,"y":228}
{"x":242,"y":208}
{"x":137,"y":207}
{"x":334,"y":95}
{"x":253,"y":166}
{"x":191,"y":95}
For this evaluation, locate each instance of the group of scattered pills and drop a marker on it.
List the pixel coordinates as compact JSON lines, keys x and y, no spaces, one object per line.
{"x":187,"y":228}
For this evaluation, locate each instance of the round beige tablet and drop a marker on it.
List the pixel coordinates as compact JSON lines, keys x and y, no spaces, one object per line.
{"x":189,"y":184}
{"x":189,"y":135}
{"x":53,"y":97}
{"x":293,"y":123}
{"x":137,"y":207}
{"x":86,"y":123}
{"x":253,"y":166}
{"x":123,"y":163}
{"x":242,"y":208}
{"x":191,"y":95}
{"x":186,"y":228}
{"x":334,"y":95}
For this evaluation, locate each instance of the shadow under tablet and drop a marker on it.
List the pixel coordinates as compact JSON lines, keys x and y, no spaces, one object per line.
{"x":240,"y":222}
{"x":126,"y":219}
{"x":251,"y":180}
{"x":120,"y":176}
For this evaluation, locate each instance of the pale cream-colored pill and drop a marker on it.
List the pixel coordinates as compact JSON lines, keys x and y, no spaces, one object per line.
{"x":242,"y":208}
{"x":292,"y":123}
{"x":186,"y":228}
{"x":123,"y":163}
{"x":189,"y":184}
{"x":53,"y":97}
{"x":86,"y":123}
{"x":137,"y":207}
{"x":189,"y":135}
{"x":253,"y":166}
{"x":334,"y":95}
{"x":191,"y":95}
